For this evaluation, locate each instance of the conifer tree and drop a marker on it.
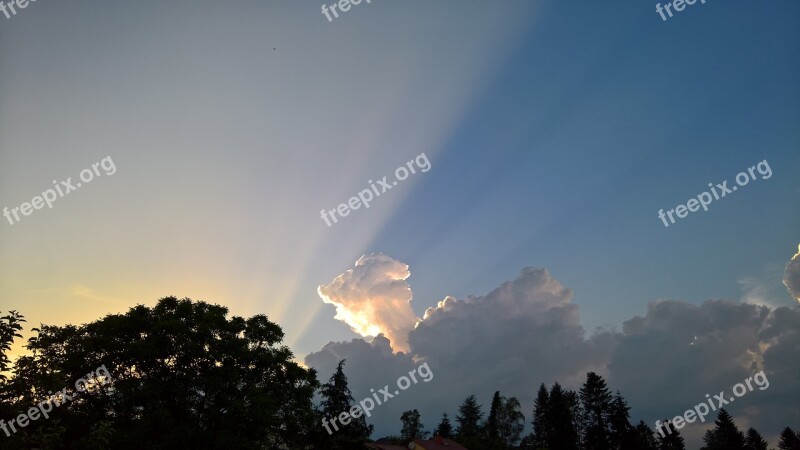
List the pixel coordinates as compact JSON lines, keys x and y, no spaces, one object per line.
{"x":789,"y":440}
{"x":725,"y":435}
{"x":573,"y":401}
{"x":444,"y":429}
{"x":754,"y":441}
{"x":619,"y":422}
{"x":596,"y":402}
{"x":469,"y":422}
{"x":642,"y":438}
{"x":671,"y":439}
{"x":561,"y":431}
{"x":337,"y":398}
{"x":492,"y":420}
{"x":540,"y":407}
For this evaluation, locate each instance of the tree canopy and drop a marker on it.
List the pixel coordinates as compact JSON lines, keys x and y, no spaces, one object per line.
{"x":184,"y":375}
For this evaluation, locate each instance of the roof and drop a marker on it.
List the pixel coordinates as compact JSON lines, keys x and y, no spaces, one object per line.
{"x":380,"y":446}
{"x":440,"y":444}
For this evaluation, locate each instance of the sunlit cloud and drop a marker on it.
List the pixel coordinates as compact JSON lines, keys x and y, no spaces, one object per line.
{"x":791,"y":276}
{"x":374,"y":298}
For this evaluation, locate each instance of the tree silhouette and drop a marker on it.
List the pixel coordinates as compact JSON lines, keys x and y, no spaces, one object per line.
{"x":725,"y":436}
{"x":338,"y":399}
{"x":492,"y":420}
{"x":412,"y":426}
{"x":469,"y":422}
{"x":789,"y":440}
{"x":671,"y":439}
{"x":444,"y":429}
{"x":642,"y":438}
{"x":539,"y":438}
{"x":511,"y":422}
{"x":620,"y":429}
{"x":562,"y":433}
{"x":10,"y":325}
{"x":754,"y":441}
{"x":183,"y":375}
{"x":596,"y":401}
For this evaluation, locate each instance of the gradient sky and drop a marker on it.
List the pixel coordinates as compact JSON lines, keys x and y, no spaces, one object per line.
{"x":555,"y":131}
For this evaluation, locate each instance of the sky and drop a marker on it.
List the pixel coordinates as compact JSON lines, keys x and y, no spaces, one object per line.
{"x":554,"y":133}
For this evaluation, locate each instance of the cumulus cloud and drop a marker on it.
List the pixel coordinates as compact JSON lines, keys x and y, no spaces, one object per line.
{"x":528,"y":331}
{"x":374,"y":298}
{"x":525,"y":330}
{"x":509,"y":331}
{"x":791,"y":275}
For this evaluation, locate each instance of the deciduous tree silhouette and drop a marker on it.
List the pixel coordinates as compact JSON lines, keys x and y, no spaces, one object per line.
{"x":511,"y":422}
{"x":184,"y":375}
{"x":412,"y":426}
{"x":10,"y":326}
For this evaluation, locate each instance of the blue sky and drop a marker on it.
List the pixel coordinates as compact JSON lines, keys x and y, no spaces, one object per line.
{"x":614,"y":131}
{"x":555,"y":131}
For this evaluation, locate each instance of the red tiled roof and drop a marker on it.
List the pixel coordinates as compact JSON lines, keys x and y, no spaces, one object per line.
{"x":440,"y":444}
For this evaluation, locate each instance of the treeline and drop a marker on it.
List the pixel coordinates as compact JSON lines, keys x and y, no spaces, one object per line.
{"x":591,"y":419}
{"x":185,"y":375}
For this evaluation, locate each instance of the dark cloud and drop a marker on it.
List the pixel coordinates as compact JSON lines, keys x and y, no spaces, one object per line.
{"x":668,"y":360}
